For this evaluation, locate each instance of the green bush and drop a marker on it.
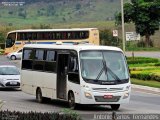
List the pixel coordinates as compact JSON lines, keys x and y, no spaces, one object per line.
{"x":14,"y":115}
{"x":1,"y":52}
{"x":140,"y":60}
{"x":157,"y":64}
{"x":146,"y":76}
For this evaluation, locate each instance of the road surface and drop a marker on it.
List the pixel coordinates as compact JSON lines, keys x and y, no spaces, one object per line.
{"x":144,"y":54}
{"x":140,"y":103}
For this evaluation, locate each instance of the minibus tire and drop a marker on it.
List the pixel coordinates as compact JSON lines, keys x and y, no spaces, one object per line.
{"x":71,"y":101}
{"x":39,"y":97}
{"x":115,"y":106}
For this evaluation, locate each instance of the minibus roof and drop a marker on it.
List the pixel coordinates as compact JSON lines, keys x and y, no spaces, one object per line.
{"x":73,"y":47}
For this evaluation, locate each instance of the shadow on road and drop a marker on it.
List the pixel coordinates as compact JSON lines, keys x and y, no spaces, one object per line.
{"x":62,"y":104}
{"x":10,"y":89}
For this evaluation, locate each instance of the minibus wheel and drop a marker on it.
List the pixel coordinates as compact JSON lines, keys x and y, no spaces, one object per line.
{"x":115,"y":106}
{"x":39,"y":95}
{"x":71,"y":101}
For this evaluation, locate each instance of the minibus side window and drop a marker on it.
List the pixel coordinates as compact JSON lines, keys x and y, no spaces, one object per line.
{"x":27,"y":60}
{"x":50,"y":63}
{"x":39,"y":60}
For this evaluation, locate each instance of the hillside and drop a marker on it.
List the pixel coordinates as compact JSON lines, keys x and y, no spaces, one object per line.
{"x":58,"y":11}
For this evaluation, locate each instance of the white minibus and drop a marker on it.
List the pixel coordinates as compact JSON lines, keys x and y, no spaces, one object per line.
{"x":78,"y":74}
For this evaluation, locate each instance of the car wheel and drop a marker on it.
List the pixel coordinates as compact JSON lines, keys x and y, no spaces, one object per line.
{"x":13,"y":57}
{"x":71,"y":101}
{"x":39,"y":97}
{"x":115,"y":106}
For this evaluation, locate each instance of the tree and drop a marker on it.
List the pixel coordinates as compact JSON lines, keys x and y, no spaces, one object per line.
{"x":145,"y":14}
{"x":107,"y":38}
{"x":22,"y":13}
{"x":2,"y":38}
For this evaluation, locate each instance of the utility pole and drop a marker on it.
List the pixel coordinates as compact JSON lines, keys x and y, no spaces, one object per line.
{"x":122,"y":17}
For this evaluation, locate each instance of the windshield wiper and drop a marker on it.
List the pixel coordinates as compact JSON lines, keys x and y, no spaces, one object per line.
{"x":107,"y":69}
{"x":103,"y":69}
{"x":100,"y":73}
{"x":113,"y":74}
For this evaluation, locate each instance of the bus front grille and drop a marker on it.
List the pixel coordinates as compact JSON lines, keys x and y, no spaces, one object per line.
{"x":102,"y":99}
{"x":107,"y":89}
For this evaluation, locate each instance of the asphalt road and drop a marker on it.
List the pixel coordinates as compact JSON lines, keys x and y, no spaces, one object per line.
{"x":144,"y":54}
{"x":141,"y":102}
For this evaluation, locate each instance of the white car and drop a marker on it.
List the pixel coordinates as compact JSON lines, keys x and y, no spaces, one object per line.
{"x":15,"y":55}
{"x":9,"y":76}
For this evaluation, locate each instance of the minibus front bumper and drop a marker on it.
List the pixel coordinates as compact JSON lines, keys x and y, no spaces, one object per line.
{"x":104,"y":98}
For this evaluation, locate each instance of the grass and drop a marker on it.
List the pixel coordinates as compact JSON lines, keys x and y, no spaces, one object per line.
{"x":144,"y":72}
{"x":64,"y":12}
{"x":1,"y":51}
{"x":135,"y":48}
{"x":141,"y":65}
{"x":149,"y":83}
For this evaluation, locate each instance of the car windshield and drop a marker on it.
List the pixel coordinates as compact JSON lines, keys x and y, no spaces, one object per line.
{"x":104,"y":66}
{"x":9,"y":71}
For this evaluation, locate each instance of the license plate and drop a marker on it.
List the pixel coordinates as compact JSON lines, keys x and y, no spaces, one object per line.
{"x":108,"y":96}
{"x":13,"y":83}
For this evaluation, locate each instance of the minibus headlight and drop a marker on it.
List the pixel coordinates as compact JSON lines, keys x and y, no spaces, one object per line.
{"x":126,"y":95}
{"x":127,"y":87}
{"x":88,"y":95}
{"x":87,"y":88}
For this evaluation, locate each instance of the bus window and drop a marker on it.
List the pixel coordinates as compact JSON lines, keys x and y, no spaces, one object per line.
{"x":18,"y":36}
{"x":64,"y":35}
{"x":28,"y":54}
{"x":10,"y":40}
{"x":27,"y":60}
{"x":34,"y":36}
{"x":50,"y":63}
{"x":46,"y":36}
{"x":50,"y":37}
{"x":73,"y":71}
{"x":22,"y":36}
{"x":51,"y":56}
{"x":39,"y":62}
{"x":29,"y":36}
{"x":53,"y":35}
{"x":57,"y":35}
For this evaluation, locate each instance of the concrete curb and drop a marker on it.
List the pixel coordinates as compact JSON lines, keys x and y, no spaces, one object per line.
{"x":146,"y":88}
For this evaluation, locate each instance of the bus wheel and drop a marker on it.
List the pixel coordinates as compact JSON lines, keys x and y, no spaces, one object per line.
{"x":39,"y":97}
{"x":13,"y":57}
{"x":71,"y":101}
{"x":115,"y":106}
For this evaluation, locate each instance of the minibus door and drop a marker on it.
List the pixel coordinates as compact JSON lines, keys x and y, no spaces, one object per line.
{"x":62,"y":66}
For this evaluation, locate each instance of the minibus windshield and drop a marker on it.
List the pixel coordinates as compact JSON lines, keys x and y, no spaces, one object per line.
{"x":103,"y":67}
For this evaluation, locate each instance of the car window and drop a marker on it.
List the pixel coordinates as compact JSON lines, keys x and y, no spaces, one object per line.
{"x":9,"y":71}
{"x":19,"y":51}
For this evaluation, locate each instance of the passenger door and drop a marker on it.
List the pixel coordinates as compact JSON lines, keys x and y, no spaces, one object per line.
{"x":62,"y":68}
